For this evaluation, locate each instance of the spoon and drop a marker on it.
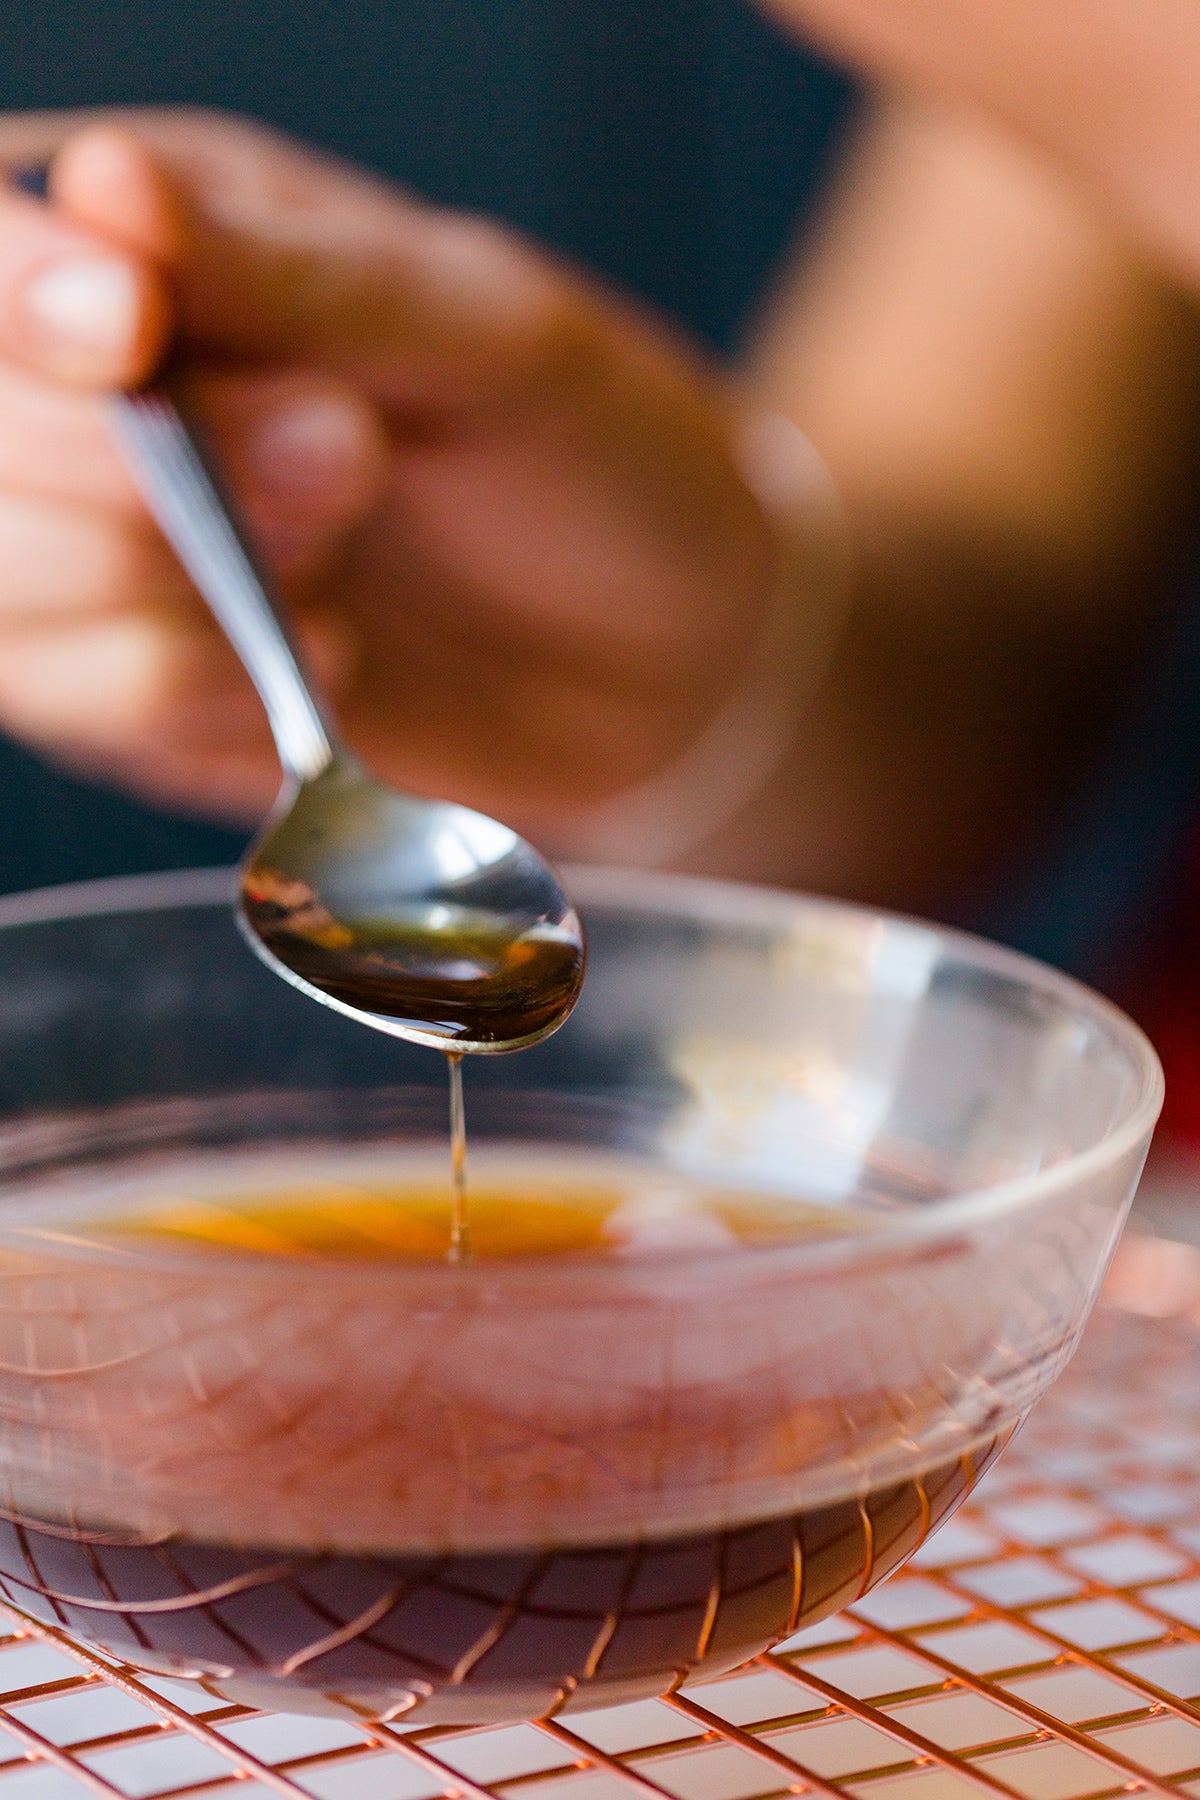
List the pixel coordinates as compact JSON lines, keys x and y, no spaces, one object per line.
{"x":421,"y":918}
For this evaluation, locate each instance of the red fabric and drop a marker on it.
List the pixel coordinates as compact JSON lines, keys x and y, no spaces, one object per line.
{"x":1175,"y":1031}
{"x":1166,"y":1002}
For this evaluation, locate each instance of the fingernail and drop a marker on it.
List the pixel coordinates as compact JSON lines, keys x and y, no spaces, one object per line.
{"x":312,"y":450}
{"x":90,"y":303}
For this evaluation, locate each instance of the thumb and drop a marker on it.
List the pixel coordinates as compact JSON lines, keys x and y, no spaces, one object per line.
{"x":277,"y":254}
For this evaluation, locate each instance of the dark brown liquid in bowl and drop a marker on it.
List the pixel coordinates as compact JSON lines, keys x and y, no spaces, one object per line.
{"x":541,"y":1625}
{"x":516,"y":1632}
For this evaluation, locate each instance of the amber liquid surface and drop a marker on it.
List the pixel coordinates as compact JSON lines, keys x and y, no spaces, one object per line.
{"x":463,"y":1636}
{"x":545,"y":1209}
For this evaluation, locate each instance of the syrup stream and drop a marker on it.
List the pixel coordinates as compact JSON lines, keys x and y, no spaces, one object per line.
{"x":460,"y":1233}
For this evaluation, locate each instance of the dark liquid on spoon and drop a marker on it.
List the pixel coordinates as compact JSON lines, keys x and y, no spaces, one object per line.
{"x":465,"y":981}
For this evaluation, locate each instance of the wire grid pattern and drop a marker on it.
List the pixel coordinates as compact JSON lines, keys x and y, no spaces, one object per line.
{"x":1045,"y":1645}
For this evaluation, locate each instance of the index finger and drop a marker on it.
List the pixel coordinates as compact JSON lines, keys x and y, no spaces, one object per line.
{"x":31,"y":138}
{"x":277,"y":253}
{"x":73,"y":305}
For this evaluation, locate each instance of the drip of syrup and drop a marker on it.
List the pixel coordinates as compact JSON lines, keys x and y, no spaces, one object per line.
{"x":460,"y":1226}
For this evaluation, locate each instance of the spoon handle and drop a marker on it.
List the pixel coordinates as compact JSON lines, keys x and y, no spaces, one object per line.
{"x":185,"y":497}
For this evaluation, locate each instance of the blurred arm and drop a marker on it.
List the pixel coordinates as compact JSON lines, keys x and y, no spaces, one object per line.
{"x":1005,"y":393}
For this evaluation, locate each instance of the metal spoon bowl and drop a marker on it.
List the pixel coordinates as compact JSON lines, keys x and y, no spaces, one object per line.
{"x":418,"y":917}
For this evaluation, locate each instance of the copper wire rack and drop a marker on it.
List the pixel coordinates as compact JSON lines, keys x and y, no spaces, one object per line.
{"x":1045,"y":1645}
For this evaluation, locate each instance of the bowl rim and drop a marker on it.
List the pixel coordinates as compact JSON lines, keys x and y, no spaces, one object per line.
{"x":708,"y":899}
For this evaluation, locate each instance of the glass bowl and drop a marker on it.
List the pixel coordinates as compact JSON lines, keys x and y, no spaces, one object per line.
{"x":484,"y":1491}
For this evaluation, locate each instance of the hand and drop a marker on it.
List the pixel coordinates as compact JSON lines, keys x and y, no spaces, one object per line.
{"x":507,"y":512}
